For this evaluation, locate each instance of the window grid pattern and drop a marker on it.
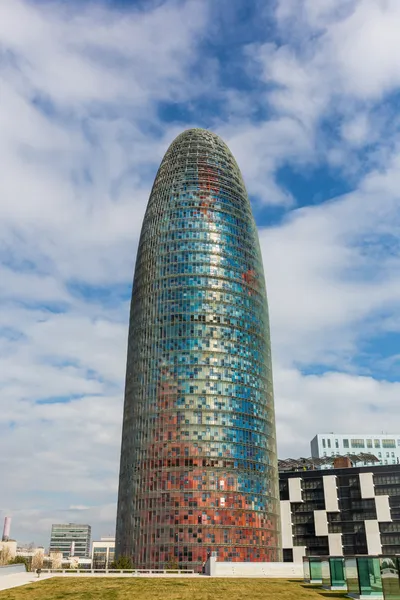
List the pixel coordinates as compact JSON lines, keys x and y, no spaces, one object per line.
{"x":65,"y":537}
{"x":198,"y":459}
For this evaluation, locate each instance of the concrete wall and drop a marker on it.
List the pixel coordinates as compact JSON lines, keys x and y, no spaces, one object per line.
{"x":295,"y":494}
{"x":335,"y":544}
{"x":382,"y":509}
{"x":286,"y":524}
{"x":314,"y":447}
{"x":320,"y":522}
{"x":330,"y":493}
{"x":12,"y":569}
{"x":282,"y":570}
{"x":373,"y":537}
{"x":298,"y":553}
{"x":367,"y":485}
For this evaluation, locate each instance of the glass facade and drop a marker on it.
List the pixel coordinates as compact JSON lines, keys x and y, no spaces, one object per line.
{"x":198,"y":458}
{"x":338,"y":579}
{"x":99,"y":558}
{"x":71,"y":538}
{"x":306,"y":569}
{"x":390,"y":577}
{"x":369,"y":576}
{"x":315,"y":570}
{"x":102,"y":555}
{"x":325,"y":572}
{"x":351,"y":571}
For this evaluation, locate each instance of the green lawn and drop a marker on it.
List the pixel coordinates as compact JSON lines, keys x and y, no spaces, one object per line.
{"x":74,"y":588}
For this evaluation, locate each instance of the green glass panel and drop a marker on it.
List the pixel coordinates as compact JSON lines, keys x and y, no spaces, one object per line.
{"x":390,"y":577}
{"x":369,"y":573}
{"x":315,"y":569}
{"x":337,"y":572}
{"x":306,"y":569}
{"x":351,"y":575}
{"x":325,"y":573}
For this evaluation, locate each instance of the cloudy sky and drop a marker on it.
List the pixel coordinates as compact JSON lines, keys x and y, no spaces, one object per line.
{"x":306,"y":94}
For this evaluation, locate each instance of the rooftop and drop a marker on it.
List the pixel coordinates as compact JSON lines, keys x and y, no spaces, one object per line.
{"x":312,"y":463}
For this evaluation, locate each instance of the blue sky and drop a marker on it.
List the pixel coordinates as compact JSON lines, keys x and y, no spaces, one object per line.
{"x":306,"y":94}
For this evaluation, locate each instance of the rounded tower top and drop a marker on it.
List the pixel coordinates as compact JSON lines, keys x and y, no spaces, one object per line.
{"x":204,"y":136}
{"x":198,"y":158}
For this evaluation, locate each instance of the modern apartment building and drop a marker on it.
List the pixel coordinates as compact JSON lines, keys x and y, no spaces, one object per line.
{"x":198,"y":467}
{"x":343,"y":511}
{"x":71,"y":539}
{"x":103,"y":552}
{"x":386,"y":447}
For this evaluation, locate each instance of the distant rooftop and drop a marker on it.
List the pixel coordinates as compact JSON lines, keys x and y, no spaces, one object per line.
{"x":312,"y":463}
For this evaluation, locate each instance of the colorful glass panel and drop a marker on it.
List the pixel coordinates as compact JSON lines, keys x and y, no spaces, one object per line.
{"x":198,"y":459}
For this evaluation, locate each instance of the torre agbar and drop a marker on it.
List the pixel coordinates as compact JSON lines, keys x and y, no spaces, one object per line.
{"x":198,"y":467}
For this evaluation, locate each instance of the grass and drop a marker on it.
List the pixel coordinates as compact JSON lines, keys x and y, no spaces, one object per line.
{"x":74,"y":588}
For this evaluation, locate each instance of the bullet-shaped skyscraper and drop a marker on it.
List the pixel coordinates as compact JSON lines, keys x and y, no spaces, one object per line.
{"x":198,"y":467}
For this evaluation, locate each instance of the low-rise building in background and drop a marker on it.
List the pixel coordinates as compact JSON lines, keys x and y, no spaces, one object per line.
{"x":386,"y":447}
{"x":71,"y":539}
{"x":103,"y":553}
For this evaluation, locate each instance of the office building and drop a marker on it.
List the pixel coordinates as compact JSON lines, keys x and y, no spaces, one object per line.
{"x":71,"y":539}
{"x":103,"y":553}
{"x":344,"y":511}
{"x":198,"y":469}
{"x":386,"y":447}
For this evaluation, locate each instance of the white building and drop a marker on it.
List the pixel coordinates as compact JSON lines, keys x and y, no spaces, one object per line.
{"x":103,"y":553}
{"x":386,"y":447}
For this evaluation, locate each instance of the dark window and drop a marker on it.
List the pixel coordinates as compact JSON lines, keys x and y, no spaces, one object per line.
{"x":288,"y":555}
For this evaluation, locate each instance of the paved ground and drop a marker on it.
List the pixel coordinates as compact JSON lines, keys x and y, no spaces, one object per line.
{"x":17,"y":579}
{"x":10,"y":581}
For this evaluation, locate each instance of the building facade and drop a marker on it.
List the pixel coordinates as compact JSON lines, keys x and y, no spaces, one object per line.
{"x":347,"y":512}
{"x":386,"y":447}
{"x":103,"y":553}
{"x":71,"y":539}
{"x":198,"y":469}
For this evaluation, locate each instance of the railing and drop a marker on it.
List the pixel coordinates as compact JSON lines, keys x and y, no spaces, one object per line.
{"x":125,"y":571}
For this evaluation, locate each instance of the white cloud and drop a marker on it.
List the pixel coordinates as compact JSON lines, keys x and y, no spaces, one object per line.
{"x":363,"y":49}
{"x":80,"y":142}
{"x":335,"y":63}
{"x":357,"y":131}
{"x":260,"y":149}
{"x":343,"y":261}
{"x":97,"y":54}
{"x":332,"y":402}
